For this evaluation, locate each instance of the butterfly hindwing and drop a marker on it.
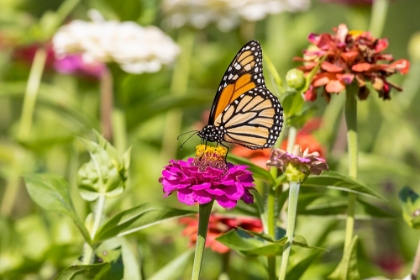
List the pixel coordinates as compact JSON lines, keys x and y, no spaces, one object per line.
{"x":253,"y":120}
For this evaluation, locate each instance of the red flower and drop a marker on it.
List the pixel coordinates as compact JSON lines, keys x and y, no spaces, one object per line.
{"x":350,"y":56}
{"x":218,"y":225}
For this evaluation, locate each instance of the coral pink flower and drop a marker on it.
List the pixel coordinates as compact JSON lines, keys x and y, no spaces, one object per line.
{"x":350,"y":57}
{"x":218,"y":225}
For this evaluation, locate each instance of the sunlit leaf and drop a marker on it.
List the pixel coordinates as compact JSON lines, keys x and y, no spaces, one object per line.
{"x":347,"y":268}
{"x":335,"y":180}
{"x":174,"y":269}
{"x":51,"y":192}
{"x":138,"y":218}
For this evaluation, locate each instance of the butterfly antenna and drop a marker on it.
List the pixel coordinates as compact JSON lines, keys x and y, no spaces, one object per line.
{"x":182,"y":134}
{"x":194,"y":133}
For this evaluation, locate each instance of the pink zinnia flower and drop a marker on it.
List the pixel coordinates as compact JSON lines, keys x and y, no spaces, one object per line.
{"x":218,"y":225}
{"x":350,"y":57}
{"x":208,"y":177}
{"x":297,"y":165}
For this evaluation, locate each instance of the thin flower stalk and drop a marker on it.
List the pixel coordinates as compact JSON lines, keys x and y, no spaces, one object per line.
{"x":203,"y":222}
{"x":296,"y":166}
{"x":351,"y":121}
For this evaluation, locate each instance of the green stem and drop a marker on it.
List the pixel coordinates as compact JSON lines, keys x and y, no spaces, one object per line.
{"x":378,"y":17}
{"x":203,"y":222}
{"x":107,"y":104}
{"x":351,"y":121}
{"x":291,"y":222}
{"x":291,"y":138}
{"x":178,"y":88}
{"x":88,"y":250}
{"x":31,"y":93}
{"x":271,"y":228}
{"x":120,"y":133}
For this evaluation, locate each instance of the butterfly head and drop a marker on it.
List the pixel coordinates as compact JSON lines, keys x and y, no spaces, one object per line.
{"x":212,"y":133}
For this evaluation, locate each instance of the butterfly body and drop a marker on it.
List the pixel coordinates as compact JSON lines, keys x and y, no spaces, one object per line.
{"x":244,"y":111}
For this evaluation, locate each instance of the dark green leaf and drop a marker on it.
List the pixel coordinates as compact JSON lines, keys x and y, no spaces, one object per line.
{"x":340,"y":181}
{"x":300,"y":241}
{"x":138,"y":218}
{"x":174,"y":269}
{"x":85,"y":272}
{"x":410,"y":202}
{"x":249,"y":245}
{"x":347,"y":268}
{"x":299,"y":269}
{"x":51,"y":192}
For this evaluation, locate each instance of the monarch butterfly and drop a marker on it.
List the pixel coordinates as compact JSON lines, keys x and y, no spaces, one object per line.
{"x":244,"y":111}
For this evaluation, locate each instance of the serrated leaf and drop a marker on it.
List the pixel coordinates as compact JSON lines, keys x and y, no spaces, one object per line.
{"x":85,"y":272}
{"x":347,"y":268}
{"x":410,"y":202}
{"x":51,"y":192}
{"x":249,"y":245}
{"x":138,"y":218}
{"x":335,"y":180}
{"x":175,"y":268}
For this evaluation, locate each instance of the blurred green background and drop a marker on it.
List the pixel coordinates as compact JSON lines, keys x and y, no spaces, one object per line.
{"x":35,"y":244}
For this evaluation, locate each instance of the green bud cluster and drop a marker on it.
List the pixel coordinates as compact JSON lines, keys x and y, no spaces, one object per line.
{"x":105,"y":173}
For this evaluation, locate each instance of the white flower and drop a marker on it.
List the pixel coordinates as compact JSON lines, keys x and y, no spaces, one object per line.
{"x":225,"y":13}
{"x":135,"y":48}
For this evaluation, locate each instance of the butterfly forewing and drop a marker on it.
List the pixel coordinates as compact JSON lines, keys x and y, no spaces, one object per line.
{"x":243,"y":74}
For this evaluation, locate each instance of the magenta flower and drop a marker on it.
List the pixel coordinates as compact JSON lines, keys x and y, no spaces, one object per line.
{"x":74,"y":64}
{"x":207,"y":177}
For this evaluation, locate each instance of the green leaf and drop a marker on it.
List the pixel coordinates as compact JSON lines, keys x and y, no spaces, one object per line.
{"x":300,"y":241}
{"x":410,"y":202}
{"x":174,"y":269}
{"x":257,"y":171}
{"x":138,"y":218}
{"x":299,"y":269}
{"x":85,"y":272}
{"x":335,"y":180}
{"x":51,"y":192}
{"x":347,"y":268}
{"x":246,"y":244}
{"x":126,"y":10}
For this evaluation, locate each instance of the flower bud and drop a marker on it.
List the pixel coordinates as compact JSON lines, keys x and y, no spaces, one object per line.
{"x":295,"y":79}
{"x":105,"y":173}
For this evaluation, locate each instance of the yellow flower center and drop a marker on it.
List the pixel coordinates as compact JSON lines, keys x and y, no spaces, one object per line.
{"x":356,"y":33}
{"x":207,"y":156}
{"x":210,"y":153}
